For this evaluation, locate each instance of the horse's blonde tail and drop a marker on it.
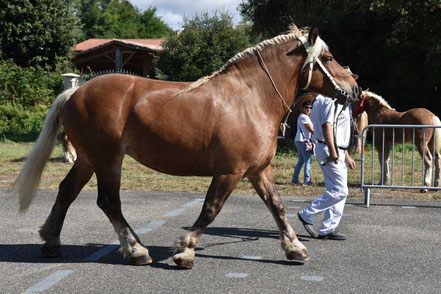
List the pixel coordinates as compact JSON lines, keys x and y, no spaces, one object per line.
{"x":437,"y":122}
{"x":30,"y":175}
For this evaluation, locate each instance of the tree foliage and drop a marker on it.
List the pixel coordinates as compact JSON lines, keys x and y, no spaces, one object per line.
{"x":204,"y":45}
{"x":394,"y":45}
{"x":35,"y":32}
{"x":119,"y":19}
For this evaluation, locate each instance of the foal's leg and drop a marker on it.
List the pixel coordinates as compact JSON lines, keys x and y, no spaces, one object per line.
{"x":266,"y":188}
{"x":68,"y":191}
{"x":384,"y":165}
{"x":426,"y":155}
{"x":218,"y":192}
{"x":437,"y":168}
{"x":109,"y":180}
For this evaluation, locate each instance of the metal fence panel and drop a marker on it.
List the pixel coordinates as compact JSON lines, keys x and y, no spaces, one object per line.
{"x":414,"y":182}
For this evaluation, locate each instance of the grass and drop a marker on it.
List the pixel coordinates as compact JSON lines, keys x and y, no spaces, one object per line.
{"x":138,"y":177}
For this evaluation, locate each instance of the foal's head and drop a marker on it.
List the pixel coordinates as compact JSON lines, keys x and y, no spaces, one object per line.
{"x":323,"y":74}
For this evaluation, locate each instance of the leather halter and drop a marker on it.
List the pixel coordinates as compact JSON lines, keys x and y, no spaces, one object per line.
{"x":311,"y":62}
{"x":360,"y":107}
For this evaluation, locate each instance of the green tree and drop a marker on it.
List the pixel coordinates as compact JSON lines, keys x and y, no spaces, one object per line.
{"x":36,"y":32}
{"x":394,"y":45}
{"x":119,"y":19}
{"x":204,"y":45}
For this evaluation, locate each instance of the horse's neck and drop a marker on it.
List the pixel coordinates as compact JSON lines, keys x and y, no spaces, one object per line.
{"x":380,"y":114}
{"x":267,"y":79}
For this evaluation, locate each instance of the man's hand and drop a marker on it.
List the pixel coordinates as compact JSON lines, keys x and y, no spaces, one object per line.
{"x":350,"y":161}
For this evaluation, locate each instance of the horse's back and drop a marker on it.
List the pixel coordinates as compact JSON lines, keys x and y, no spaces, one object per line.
{"x":97,"y":112}
{"x":417,"y":116}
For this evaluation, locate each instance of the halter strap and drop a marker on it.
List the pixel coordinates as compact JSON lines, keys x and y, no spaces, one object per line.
{"x":265,"y":68}
{"x":271,"y":79}
{"x":360,"y":108}
{"x":309,"y":61}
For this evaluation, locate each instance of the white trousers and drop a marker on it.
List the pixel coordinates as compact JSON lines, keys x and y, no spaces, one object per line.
{"x":332,"y":202}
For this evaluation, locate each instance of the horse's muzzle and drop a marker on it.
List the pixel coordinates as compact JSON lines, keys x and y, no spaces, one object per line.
{"x":344,"y":97}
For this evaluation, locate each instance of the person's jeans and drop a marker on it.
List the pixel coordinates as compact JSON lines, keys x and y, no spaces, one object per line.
{"x":304,"y":158}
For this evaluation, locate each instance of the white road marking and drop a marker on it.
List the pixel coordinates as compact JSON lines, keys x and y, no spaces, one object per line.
{"x":252,"y":257}
{"x":237,"y":275}
{"x":312,"y":278}
{"x":49,"y":281}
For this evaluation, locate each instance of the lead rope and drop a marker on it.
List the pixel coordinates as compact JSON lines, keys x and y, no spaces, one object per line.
{"x":284,"y":124}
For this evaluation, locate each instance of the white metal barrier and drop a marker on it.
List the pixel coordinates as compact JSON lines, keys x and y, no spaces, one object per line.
{"x":414,"y":183}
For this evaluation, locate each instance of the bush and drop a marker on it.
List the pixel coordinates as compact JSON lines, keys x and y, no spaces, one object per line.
{"x":25,"y":97}
{"x":19,"y":123}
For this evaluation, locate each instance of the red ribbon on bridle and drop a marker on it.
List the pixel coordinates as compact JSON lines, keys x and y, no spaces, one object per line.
{"x":360,"y":109}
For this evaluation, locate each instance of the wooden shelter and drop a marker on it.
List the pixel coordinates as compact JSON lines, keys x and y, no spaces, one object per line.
{"x":117,"y":55}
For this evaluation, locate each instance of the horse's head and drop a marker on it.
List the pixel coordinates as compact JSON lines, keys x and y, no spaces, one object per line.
{"x":323,"y":74}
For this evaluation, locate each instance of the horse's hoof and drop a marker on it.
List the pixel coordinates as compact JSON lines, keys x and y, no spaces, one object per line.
{"x":186,"y":264}
{"x":423,"y":191}
{"x":141,"y":260}
{"x":303,"y":256}
{"x":51,"y":251}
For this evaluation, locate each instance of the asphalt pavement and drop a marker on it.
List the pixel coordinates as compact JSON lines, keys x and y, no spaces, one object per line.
{"x":394,"y":246}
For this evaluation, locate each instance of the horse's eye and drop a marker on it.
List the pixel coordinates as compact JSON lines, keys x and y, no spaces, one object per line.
{"x":328,"y":59}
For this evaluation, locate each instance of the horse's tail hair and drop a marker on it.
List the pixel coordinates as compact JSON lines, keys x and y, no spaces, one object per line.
{"x":30,"y":175}
{"x":437,"y":134}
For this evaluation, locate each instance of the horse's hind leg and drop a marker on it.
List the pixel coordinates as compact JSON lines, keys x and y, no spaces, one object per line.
{"x":264,"y":184}
{"x":109,"y":179}
{"x":218,"y":192}
{"x":437,"y":168}
{"x":68,"y":191}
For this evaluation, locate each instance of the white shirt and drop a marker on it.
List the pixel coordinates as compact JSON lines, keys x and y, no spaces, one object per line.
{"x":322,"y":112}
{"x":301,"y":129}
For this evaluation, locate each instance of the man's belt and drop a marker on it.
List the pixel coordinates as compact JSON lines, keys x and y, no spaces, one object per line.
{"x":323,"y":142}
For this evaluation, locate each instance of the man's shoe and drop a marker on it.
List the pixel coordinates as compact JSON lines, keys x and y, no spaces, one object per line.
{"x":295,"y":183}
{"x":333,"y":236}
{"x":307,"y":184}
{"x":308,"y":227}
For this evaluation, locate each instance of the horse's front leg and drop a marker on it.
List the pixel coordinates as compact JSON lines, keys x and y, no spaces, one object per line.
{"x":218,"y":192}
{"x":265,"y":186}
{"x":384,"y":164}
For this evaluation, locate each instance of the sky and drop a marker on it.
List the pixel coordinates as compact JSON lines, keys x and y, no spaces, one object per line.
{"x":172,"y":11}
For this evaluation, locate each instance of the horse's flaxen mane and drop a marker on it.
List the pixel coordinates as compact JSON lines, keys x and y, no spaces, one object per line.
{"x":293,"y":33}
{"x":379,"y":99}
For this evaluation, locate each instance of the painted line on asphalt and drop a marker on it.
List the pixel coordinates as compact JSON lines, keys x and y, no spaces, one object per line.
{"x":408,"y":206}
{"x":237,"y":275}
{"x":312,"y":278}
{"x":252,"y":257}
{"x":49,"y":281}
{"x":150,"y":227}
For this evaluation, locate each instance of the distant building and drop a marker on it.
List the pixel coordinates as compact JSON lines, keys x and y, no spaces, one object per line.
{"x":134,"y":55}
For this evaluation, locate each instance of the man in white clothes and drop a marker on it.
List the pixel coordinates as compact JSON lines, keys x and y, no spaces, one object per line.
{"x":330,"y":122}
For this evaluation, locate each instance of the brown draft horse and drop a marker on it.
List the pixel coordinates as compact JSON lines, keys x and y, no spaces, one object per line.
{"x":380,"y":112}
{"x":223,"y":126}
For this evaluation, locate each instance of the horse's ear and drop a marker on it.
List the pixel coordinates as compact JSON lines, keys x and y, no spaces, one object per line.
{"x":312,"y":37}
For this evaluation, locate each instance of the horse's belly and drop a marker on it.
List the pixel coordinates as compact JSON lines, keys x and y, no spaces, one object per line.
{"x":173,"y":161}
